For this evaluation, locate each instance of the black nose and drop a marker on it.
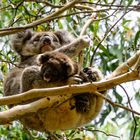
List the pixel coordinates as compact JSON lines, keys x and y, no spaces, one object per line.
{"x":46,"y":40}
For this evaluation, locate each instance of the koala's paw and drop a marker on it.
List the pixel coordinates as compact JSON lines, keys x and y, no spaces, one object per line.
{"x":76,"y":79}
{"x":83,"y":102}
{"x":86,"y":40}
{"x":93,"y":74}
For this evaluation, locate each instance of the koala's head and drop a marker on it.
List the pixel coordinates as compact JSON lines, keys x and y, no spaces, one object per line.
{"x":29,"y":43}
{"x":57,"y":67}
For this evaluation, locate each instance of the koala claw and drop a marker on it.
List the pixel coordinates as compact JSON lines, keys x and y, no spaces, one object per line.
{"x":74,"y":80}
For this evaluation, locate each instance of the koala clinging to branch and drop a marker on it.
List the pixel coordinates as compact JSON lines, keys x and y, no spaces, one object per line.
{"x":46,"y":62}
{"x":29,"y":45}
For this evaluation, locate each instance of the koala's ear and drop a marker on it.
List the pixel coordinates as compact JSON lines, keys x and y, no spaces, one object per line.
{"x":64,"y":37}
{"x":44,"y":58}
{"x":25,"y":35}
{"x":18,"y":40}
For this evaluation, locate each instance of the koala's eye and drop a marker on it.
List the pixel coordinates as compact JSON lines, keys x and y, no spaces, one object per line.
{"x":55,"y":40}
{"x":36,"y":39}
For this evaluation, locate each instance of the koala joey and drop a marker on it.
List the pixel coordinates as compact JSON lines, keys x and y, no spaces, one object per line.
{"x":55,"y":70}
{"x":57,"y":67}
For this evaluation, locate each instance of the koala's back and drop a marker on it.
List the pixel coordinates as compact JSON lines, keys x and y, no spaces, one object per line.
{"x":12,"y":81}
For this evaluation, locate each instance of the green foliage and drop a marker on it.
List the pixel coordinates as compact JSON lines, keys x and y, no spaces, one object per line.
{"x":111,"y":45}
{"x":137,"y":36}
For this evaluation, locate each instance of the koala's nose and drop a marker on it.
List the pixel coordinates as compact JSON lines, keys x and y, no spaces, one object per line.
{"x":46,"y":40}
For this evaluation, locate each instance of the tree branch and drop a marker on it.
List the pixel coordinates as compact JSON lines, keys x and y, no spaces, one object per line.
{"x":52,"y":16}
{"x":110,"y":82}
{"x":123,"y":68}
{"x":87,"y":24}
{"x":20,"y":110}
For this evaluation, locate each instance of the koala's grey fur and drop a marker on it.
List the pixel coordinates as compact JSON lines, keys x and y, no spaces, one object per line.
{"x":45,"y":62}
{"x":30,"y":45}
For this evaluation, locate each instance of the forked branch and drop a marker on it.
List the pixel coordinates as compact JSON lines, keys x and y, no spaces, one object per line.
{"x":128,"y":71}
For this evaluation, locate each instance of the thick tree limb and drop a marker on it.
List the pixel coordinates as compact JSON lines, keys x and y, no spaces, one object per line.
{"x":123,"y":68}
{"x":120,"y":75}
{"x":73,"y":89}
{"x":117,"y":77}
{"x":20,"y":110}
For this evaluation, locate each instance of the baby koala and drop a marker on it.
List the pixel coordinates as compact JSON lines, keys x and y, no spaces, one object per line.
{"x":54,"y":70}
{"x":57,"y":66}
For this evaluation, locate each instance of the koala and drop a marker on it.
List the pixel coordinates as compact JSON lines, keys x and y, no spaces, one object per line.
{"x":45,"y":62}
{"x":30,"y":45}
{"x":57,"y":67}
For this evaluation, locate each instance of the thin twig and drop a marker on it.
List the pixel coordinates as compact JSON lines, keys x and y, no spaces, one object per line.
{"x":135,"y":122}
{"x":107,"y":134}
{"x":106,"y":34}
{"x":87,"y":24}
{"x":116,"y":104}
{"x":108,"y":5}
{"x":45,"y":2}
